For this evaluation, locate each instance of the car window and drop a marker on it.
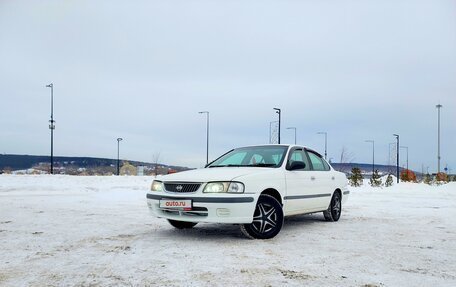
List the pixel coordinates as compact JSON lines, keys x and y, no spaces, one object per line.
{"x":261,"y":156}
{"x":256,"y":158}
{"x":326,"y":165}
{"x":317,"y":162}
{"x":234,"y":158}
{"x":276,"y":158}
{"x":298,"y":155}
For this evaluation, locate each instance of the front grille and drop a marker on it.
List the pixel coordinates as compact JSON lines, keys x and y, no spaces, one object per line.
{"x":181,"y":187}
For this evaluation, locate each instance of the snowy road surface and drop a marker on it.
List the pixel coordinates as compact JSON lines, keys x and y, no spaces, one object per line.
{"x":96,"y":231}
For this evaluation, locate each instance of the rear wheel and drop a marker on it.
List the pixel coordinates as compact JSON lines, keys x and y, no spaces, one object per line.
{"x":181,"y":224}
{"x":267,"y":219}
{"x":335,"y":208}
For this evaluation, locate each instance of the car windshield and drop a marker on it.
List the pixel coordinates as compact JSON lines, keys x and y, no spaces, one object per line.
{"x":258,"y":156}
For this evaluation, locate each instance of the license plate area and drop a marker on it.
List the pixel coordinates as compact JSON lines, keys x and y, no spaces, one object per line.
{"x":177,"y":204}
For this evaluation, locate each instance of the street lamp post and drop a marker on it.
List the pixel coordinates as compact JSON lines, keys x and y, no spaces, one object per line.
{"x":279,"y":111}
{"x":373,"y":155}
{"x":118,"y":155}
{"x":52,"y":125}
{"x":326,"y":142}
{"x":397,"y":157}
{"x":207,"y":135}
{"x":406,"y":148}
{"x":293,"y":128}
{"x":439,"y":106}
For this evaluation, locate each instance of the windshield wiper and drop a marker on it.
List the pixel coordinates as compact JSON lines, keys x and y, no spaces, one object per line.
{"x":246,"y":165}
{"x":227,"y":165}
{"x":263,"y":164}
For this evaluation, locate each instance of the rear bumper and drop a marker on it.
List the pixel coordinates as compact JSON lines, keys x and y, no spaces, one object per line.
{"x":218,"y":209}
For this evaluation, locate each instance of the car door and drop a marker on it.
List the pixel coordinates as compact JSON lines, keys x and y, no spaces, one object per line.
{"x":322,"y":181}
{"x":299,"y":186}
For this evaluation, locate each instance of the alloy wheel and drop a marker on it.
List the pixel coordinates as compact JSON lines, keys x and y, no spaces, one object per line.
{"x":265,"y":218}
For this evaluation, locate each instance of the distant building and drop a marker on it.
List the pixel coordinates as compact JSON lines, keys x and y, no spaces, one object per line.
{"x":140,"y":170}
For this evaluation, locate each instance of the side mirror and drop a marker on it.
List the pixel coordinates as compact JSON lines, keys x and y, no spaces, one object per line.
{"x":295,"y":165}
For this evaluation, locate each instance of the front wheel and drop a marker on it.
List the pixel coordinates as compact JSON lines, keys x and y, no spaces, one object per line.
{"x":334,"y":209}
{"x":267,"y":219}
{"x":181,"y":224}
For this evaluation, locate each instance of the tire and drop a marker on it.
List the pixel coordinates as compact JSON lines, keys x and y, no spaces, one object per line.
{"x":181,"y":224}
{"x":267,"y":219}
{"x":335,"y":208}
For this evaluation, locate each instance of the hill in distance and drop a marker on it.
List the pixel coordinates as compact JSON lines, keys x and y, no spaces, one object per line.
{"x":19,"y":162}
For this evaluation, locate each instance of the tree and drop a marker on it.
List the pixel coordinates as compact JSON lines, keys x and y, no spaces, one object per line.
{"x":389,"y":180}
{"x":128,"y":169}
{"x":427,"y":179}
{"x":346,"y":157}
{"x":356,"y":178}
{"x":408,"y":175}
{"x":375,"y":180}
{"x":441,"y":178}
{"x":155,"y":159}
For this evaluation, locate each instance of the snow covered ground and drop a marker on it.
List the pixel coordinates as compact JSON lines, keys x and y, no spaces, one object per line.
{"x":96,"y":231}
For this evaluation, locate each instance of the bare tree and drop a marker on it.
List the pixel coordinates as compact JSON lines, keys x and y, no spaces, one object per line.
{"x":155,"y":159}
{"x":346,"y":157}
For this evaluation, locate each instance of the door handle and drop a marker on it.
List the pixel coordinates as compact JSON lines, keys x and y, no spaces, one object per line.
{"x":312,"y":178}
{"x":333,"y":178}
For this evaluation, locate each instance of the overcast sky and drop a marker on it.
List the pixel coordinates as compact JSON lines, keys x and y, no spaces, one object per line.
{"x":141,"y":70}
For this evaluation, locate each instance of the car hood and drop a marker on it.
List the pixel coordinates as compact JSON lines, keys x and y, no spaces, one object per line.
{"x":213,"y":174}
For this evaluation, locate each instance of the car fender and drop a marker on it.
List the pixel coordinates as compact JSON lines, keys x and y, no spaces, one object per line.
{"x":255,"y":183}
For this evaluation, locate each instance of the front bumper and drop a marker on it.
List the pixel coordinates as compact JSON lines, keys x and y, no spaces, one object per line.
{"x":226,"y":208}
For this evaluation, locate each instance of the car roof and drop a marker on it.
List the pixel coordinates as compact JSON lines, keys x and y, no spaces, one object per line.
{"x":284,"y":145}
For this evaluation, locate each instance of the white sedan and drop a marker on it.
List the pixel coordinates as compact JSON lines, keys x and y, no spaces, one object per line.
{"x":255,"y":187}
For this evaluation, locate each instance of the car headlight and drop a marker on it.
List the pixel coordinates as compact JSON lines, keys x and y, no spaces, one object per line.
{"x":156,"y":186}
{"x":220,"y":187}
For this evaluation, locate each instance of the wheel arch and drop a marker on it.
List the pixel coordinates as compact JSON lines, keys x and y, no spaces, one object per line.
{"x":274,"y":193}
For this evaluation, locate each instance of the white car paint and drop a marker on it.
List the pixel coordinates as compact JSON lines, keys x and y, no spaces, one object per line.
{"x":300,"y":192}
